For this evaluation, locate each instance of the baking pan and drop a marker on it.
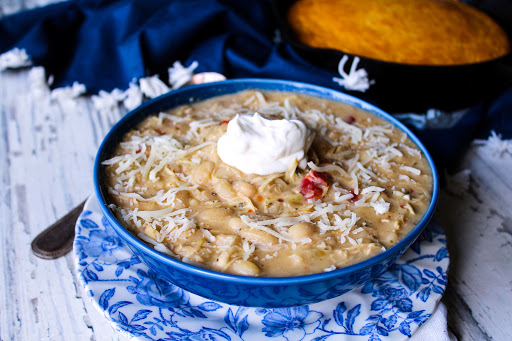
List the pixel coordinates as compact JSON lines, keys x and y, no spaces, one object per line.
{"x":401,"y":88}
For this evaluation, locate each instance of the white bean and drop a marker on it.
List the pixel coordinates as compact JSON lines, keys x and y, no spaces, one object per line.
{"x":302,"y":230}
{"x":225,"y":240}
{"x":244,"y":268}
{"x":236,"y":223}
{"x":216,"y":217}
{"x":202,"y":174}
{"x":245,"y":188}
{"x":223,"y":189}
{"x":258,"y":237}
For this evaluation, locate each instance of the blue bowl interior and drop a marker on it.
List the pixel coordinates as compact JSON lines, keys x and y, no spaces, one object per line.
{"x":198,"y":93}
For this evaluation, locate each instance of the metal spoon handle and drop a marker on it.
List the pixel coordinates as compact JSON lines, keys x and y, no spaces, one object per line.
{"x":57,"y":239}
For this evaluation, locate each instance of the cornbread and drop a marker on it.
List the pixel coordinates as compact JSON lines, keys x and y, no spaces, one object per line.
{"x":364,"y":186}
{"x":421,"y":32}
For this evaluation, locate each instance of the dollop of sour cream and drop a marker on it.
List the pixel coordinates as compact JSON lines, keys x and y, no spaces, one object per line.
{"x":258,"y":145}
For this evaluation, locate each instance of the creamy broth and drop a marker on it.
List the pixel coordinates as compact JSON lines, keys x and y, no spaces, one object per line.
{"x":366,"y":185}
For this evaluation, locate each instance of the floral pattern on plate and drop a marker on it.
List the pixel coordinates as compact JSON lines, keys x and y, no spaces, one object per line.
{"x":143,"y":306}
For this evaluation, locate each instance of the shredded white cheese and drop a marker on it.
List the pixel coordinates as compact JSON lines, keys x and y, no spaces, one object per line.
{"x":264,"y":226}
{"x":326,"y":168}
{"x":356,"y":79}
{"x":248,"y":249}
{"x":68,"y":93}
{"x":153,"y":87}
{"x":180,"y":75}
{"x":14,"y":58}
{"x":412,"y":170}
{"x":496,"y":146}
{"x":331,"y":268}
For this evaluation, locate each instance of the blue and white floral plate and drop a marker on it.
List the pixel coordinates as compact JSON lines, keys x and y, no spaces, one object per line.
{"x":143,"y":306}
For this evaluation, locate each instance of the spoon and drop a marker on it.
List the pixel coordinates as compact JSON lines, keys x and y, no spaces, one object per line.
{"x":57,"y":239}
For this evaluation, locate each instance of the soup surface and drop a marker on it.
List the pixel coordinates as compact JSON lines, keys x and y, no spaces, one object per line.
{"x":365,"y":186}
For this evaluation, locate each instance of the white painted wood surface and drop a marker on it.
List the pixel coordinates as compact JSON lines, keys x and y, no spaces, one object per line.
{"x":46,"y":156}
{"x":478,"y":225}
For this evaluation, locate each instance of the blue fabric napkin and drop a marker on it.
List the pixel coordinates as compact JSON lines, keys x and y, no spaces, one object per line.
{"x":105,"y":44}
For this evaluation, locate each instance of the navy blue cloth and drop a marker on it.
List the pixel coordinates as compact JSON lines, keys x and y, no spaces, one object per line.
{"x":105,"y":44}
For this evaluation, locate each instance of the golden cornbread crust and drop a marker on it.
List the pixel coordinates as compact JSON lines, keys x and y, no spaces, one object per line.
{"x":421,"y":32}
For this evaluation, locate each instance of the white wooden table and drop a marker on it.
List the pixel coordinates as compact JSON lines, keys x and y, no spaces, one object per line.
{"x":46,"y":157}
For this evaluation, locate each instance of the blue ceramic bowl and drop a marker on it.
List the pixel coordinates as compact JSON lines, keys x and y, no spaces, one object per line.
{"x":241,"y":290}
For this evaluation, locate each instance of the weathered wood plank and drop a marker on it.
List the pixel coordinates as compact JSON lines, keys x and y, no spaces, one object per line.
{"x":479,"y":226}
{"x":49,"y":152}
{"x":8,"y":7}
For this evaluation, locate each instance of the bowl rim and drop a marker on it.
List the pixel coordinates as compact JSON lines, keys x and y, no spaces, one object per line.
{"x":245,"y":84}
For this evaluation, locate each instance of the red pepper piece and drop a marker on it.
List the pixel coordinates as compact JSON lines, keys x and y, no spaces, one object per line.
{"x":351,"y":119}
{"x":313,"y":184}
{"x":355,"y":197}
{"x":147,"y":152}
